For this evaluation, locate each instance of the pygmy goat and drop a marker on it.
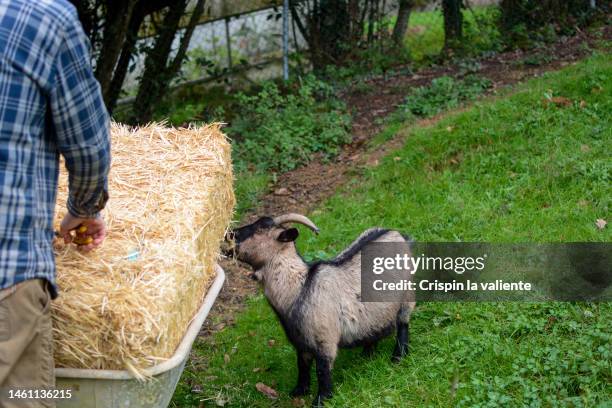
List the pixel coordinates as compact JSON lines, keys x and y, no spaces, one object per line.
{"x":319,"y":304}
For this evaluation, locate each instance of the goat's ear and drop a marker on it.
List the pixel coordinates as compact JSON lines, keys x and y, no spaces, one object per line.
{"x":288,"y":235}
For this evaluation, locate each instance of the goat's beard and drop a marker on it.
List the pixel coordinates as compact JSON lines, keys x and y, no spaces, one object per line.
{"x":256,"y":276}
{"x":253,"y":263}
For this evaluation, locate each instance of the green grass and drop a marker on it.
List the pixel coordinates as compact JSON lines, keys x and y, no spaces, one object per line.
{"x":248,"y":187}
{"x":510,"y":169}
{"x":425,"y":36}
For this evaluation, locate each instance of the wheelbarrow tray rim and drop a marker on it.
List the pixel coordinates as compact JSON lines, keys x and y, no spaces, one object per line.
{"x":180,"y":355}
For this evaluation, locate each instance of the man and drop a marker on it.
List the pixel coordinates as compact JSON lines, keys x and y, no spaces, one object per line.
{"x":50,"y":104}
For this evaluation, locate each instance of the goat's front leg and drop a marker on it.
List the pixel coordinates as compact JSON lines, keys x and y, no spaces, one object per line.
{"x":304,"y":362}
{"x":324,"y":367}
{"x":401,"y":341}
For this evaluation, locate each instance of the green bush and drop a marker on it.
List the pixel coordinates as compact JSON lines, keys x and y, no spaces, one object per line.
{"x":444,"y":93}
{"x":280,"y":131}
{"x":525,"y":23}
{"x":481,"y":32}
{"x":367,"y":62}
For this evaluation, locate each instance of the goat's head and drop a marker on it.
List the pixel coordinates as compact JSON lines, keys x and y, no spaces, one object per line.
{"x":257,"y":243}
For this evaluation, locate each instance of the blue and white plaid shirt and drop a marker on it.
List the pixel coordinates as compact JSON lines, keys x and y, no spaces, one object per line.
{"x":50,"y":104}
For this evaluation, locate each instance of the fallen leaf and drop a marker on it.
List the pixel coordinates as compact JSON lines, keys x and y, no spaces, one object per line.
{"x":257,"y":369}
{"x":397,"y":158}
{"x":561,"y":101}
{"x":558,"y":101}
{"x":267,"y":391}
{"x":550,"y":323}
{"x":226,"y":358}
{"x":583,"y":103}
{"x":298,"y":402}
{"x":601,"y":223}
{"x":454,"y":385}
{"x":282,"y":192}
{"x":252,"y":333}
{"x":271,"y":342}
{"x":585,"y":148}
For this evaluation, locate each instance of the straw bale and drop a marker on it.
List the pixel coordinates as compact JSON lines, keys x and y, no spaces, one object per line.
{"x":127,"y":304}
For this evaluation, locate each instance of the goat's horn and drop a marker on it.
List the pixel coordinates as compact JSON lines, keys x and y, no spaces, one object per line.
{"x":300,"y":219}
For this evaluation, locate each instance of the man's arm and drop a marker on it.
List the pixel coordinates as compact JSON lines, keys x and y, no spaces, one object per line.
{"x":82,"y":129}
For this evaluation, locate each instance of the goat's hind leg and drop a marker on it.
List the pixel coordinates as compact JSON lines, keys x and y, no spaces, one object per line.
{"x":403,"y":332}
{"x":369,"y":349}
{"x":304,"y":362}
{"x":324,"y":378}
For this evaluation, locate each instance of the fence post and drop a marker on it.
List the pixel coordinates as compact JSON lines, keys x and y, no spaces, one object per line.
{"x":228,"y":43}
{"x":286,"y":40}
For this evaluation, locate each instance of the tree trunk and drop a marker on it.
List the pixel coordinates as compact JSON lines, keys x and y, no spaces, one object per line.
{"x":158,"y":70}
{"x":117,"y":20}
{"x":182,"y":51}
{"x":335,"y":26}
{"x":370,"y":5}
{"x":155,"y":63}
{"x":86,"y":10}
{"x":141,"y":10}
{"x":355,"y":21}
{"x":328,"y":27}
{"x":121,"y":70}
{"x":401,"y":24}
{"x":453,"y":22}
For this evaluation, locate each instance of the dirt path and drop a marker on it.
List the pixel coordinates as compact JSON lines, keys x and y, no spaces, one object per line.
{"x":302,"y":189}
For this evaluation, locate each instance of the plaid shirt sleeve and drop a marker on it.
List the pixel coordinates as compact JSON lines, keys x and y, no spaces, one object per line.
{"x":81,"y":124}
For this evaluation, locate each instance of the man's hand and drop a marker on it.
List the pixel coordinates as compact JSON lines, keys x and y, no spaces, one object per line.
{"x":96,"y":229}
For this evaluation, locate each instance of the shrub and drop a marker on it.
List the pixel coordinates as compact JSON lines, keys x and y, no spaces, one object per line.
{"x":480,"y":31}
{"x":525,"y":22}
{"x":279,"y":131}
{"x":444,"y":93}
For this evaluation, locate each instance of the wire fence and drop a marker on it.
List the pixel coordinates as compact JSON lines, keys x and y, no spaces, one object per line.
{"x":249,"y":44}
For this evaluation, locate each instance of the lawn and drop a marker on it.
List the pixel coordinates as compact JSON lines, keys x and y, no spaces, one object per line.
{"x":530,"y":166}
{"x":425,"y":36}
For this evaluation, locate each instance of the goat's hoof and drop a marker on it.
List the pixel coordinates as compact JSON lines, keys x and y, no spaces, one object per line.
{"x":299,"y":391}
{"x":398,"y":354}
{"x":396,"y":358}
{"x":319,"y":400}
